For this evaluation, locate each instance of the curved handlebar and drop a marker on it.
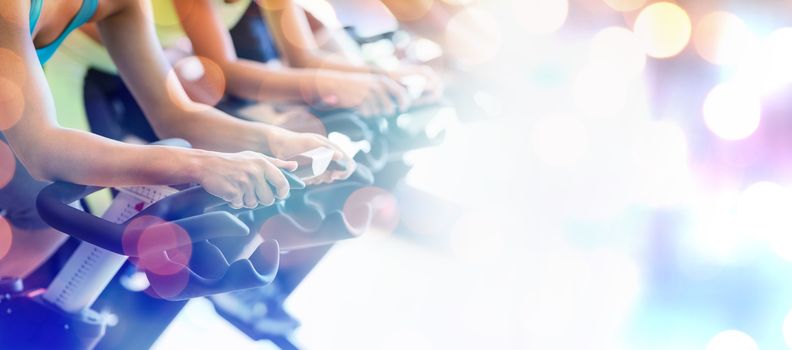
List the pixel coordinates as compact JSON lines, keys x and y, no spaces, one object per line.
{"x":53,"y":203}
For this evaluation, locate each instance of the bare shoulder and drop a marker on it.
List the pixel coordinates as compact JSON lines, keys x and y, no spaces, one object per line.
{"x":14,"y":15}
{"x":110,"y":8}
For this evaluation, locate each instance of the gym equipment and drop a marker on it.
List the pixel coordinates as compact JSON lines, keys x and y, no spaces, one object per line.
{"x":170,"y":234}
{"x":139,"y":330}
{"x":312,"y":222}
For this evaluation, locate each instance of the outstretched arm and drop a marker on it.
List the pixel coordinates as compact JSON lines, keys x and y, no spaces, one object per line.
{"x":247,"y":79}
{"x":130,"y":38}
{"x":369,"y":94}
{"x":27,"y":118}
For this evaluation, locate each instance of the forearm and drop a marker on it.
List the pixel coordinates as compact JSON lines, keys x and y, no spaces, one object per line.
{"x":260,"y":82}
{"x":208,"y":128}
{"x":80,"y":157}
{"x":318,"y":59}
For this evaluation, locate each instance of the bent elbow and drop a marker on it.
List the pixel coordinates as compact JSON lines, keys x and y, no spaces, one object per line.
{"x":37,"y":168}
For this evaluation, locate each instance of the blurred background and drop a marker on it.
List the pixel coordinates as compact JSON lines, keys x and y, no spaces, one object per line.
{"x":616,"y":175}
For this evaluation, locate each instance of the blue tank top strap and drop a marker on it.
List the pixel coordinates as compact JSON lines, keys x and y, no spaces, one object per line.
{"x":35,"y":13}
{"x":87,"y":10}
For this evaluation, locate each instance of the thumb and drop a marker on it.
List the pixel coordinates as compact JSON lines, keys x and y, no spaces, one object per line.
{"x":288,"y":165}
{"x":338,"y":155}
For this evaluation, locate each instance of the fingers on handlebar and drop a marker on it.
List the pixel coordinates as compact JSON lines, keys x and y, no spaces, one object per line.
{"x":280,"y":186}
{"x":382,"y":95}
{"x":398,"y":93}
{"x":285,"y":164}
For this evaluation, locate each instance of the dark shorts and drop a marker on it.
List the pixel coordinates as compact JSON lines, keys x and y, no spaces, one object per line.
{"x":18,"y":199}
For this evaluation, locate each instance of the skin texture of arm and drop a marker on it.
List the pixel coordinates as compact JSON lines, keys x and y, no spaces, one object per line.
{"x":257,"y":81}
{"x":52,"y":153}
{"x":211,"y":39}
{"x":144,"y":68}
{"x":27,"y":119}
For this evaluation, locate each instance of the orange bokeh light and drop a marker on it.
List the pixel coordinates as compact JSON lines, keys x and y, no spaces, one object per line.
{"x":12,"y":103}
{"x":202,"y":79}
{"x":625,"y":5}
{"x":664,"y":29}
{"x":722,"y":38}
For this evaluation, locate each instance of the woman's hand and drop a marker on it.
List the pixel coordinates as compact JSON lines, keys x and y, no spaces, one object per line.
{"x":244,"y":179}
{"x":371,"y":95}
{"x":430,"y":82}
{"x":285,"y":144}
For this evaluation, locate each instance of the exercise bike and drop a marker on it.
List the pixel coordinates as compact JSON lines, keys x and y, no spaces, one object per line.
{"x":187,"y":242}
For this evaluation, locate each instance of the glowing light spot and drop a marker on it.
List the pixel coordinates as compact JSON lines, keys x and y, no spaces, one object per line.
{"x":7,"y":164}
{"x":163,"y":248}
{"x":424,"y":50}
{"x":202,"y":79}
{"x":13,"y":67}
{"x":129,"y":240}
{"x":410,"y":10}
{"x":625,"y":5}
{"x":732,"y":112}
{"x":559,"y":141}
{"x":660,"y":151}
{"x":723,"y":38}
{"x":190,"y":69}
{"x":385,"y":214}
{"x":6,"y":237}
{"x":166,"y":249}
{"x":597,"y":93}
{"x":770,"y":68}
{"x":732,"y":340}
{"x":12,"y":103}
{"x":541,"y":16}
{"x":168,"y":285}
{"x":661,"y":147}
{"x":664,"y":29}
{"x":617,"y":51}
{"x":473,"y":37}
{"x":763,"y":213}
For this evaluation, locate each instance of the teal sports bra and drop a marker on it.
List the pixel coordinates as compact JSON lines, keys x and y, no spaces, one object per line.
{"x":87,"y":10}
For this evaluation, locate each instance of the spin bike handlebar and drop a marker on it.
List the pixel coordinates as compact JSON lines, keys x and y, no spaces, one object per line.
{"x":208,"y":271}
